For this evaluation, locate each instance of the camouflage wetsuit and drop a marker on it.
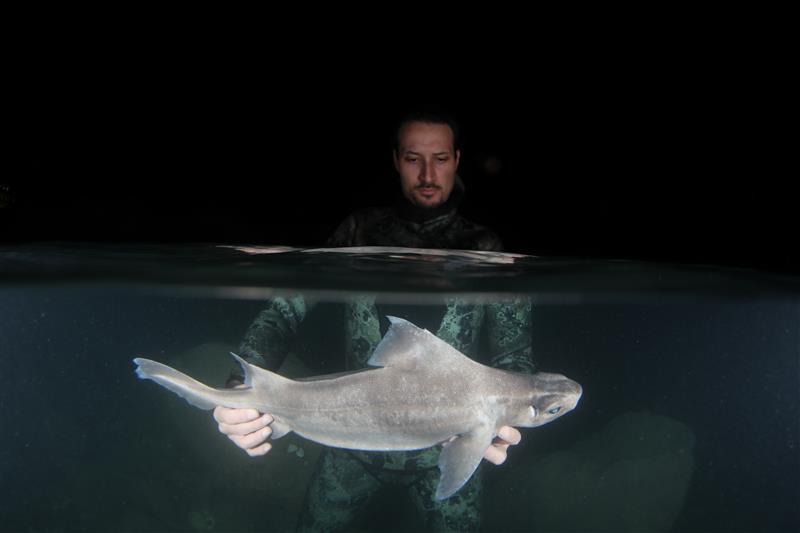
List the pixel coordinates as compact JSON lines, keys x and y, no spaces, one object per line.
{"x":344,"y":480}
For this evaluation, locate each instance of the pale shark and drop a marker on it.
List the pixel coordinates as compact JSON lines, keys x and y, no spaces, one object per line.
{"x":423,"y":392}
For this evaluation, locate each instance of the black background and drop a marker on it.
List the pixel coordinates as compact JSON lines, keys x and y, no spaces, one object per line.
{"x":652,"y":157}
{"x":629,"y":149}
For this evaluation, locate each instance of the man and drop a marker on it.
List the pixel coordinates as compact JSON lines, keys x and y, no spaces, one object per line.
{"x":426,"y":157}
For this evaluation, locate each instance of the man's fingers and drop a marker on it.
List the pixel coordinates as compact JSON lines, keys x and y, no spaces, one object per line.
{"x":253,"y":440}
{"x":259,"y":450}
{"x":245,"y":428}
{"x":225,"y":415}
{"x":496,"y":454}
{"x":509,"y":435}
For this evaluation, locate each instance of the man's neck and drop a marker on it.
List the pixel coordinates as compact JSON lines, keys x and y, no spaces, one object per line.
{"x":414,"y":213}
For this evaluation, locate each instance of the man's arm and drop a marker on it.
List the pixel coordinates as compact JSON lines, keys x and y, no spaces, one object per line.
{"x":509,"y":328}
{"x":266,"y":344}
{"x":268,"y":339}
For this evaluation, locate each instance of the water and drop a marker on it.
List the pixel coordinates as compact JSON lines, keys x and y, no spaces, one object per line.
{"x":689,"y":419}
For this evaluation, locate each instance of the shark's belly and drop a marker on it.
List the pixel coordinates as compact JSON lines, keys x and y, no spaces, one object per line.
{"x":379,"y":410}
{"x":381,"y":428}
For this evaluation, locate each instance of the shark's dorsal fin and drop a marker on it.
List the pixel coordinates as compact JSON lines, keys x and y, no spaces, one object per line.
{"x":248,"y":376}
{"x":405,"y":346}
{"x":255,"y":376}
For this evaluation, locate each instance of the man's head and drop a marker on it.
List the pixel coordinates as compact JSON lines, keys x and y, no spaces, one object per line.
{"x":426,"y":156}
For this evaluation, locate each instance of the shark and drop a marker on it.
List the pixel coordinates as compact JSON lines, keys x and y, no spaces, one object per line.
{"x":417,"y":392}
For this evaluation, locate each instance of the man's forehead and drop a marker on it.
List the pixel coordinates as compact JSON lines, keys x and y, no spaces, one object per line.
{"x":428,"y":135}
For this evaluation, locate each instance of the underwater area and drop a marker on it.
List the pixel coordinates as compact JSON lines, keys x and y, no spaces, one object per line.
{"x":689,"y":418}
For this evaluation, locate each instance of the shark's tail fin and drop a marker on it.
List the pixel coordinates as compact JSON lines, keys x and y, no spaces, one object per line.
{"x":190,"y":389}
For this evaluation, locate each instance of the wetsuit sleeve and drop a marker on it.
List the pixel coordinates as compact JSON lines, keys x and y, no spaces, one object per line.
{"x":509,"y":329}
{"x":269,"y":338}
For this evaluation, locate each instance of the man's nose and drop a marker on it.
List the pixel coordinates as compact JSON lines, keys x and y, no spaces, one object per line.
{"x":428,"y":174}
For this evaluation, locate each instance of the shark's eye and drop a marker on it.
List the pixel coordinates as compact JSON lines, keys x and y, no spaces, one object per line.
{"x":554,"y":410}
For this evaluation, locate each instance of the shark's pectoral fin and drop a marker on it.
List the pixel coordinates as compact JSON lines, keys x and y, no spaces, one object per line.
{"x":279,"y":429}
{"x":460,"y":458}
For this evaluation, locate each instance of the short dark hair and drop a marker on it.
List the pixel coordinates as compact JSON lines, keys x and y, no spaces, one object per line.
{"x":429,"y":117}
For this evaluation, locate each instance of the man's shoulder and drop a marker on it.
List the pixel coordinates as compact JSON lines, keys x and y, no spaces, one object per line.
{"x":351,"y":231}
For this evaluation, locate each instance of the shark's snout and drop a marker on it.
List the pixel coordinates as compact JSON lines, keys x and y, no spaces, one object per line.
{"x":568,"y":391}
{"x":575,"y":391}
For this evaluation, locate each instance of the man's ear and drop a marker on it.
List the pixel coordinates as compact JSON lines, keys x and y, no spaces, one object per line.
{"x":458,"y":157}
{"x":396,"y":161}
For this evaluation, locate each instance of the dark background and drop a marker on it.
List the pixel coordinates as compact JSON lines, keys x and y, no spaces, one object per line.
{"x":629,"y":141}
{"x":637,"y":157}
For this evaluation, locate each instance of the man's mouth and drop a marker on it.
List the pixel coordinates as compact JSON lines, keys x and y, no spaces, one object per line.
{"x":428,"y":190}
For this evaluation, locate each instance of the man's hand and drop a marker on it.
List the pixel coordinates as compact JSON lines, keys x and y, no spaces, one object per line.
{"x":247,"y":428}
{"x":498,"y":451}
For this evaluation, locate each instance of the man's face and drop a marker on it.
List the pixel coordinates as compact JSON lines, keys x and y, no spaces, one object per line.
{"x":427,"y":163}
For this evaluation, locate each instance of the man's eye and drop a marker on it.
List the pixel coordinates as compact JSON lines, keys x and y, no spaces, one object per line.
{"x":443,"y":160}
{"x":411,"y":159}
